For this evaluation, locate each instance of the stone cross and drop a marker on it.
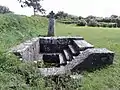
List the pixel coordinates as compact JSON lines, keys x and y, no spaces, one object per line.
{"x":51,"y":24}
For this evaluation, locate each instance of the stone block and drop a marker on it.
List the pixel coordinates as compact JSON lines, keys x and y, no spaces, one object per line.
{"x":82,"y":45}
{"x":53,"y":71}
{"x":91,"y":58}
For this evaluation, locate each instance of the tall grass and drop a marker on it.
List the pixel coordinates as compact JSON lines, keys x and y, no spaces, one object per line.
{"x":14,"y":29}
{"x":15,"y":75}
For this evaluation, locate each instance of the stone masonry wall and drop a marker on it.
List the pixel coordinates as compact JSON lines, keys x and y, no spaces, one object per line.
{"x":28,"y":51}
{"x":55,"y":44}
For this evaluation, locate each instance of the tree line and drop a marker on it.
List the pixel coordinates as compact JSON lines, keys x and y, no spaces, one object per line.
{"x":93,"y":21}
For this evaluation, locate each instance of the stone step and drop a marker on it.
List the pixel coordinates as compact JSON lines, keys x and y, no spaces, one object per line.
{"x":82,"y":45}
{"x":88,"y":59}
{"x":91,"y":58}
{"x":73,"y":50}
{"x":67,"y":54}
{"x":51,"y":58}
{"x":62,"y":59}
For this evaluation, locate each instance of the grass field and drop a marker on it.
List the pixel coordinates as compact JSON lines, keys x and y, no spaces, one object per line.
{"x":109,"y":77}
{"x":15,"y":29}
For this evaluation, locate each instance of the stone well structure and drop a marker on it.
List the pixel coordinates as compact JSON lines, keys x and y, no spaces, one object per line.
{"x":67,"y":53}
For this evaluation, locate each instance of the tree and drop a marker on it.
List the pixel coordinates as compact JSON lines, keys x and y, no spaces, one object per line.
{"x":113,"y":16}
{"x":81,"y":22}
{"x":80,"y":17}
{"x":118,"y":22}
{"x":61,"y":14}
{"x":35,"y":4}
{"x":93,"y":23}
{"x":4,"y":9}
{"x":99,"y":19}
{"x":90,"y":17}
{"x":107,"y":20}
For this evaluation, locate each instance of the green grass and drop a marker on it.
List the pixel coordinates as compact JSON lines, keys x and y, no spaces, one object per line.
{"x":109,"y":77}
{"x":15,"y":29}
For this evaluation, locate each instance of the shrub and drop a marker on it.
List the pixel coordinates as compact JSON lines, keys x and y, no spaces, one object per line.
{"x":93,"y":23}
{"x":98,"y":24}
{"x":107,"y":20}
{"x":110,"y":25}
{"x":118,"y":22}
{"x":81,"y":22}
{"x":103,"y":24}
{"x":67,"y":22}
{"x":114,"y":25}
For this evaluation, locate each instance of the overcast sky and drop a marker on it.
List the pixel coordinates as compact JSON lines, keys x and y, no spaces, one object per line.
{"x":76,"y":7}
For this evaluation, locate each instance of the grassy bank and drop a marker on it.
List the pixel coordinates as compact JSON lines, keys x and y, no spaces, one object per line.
{"x":15,"y":29}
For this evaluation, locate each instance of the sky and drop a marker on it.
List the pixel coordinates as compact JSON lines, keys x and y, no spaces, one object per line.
{"x":101,"y":8}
